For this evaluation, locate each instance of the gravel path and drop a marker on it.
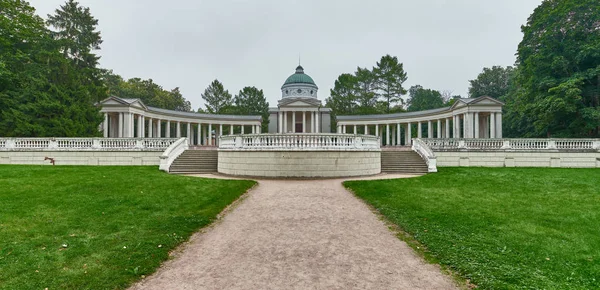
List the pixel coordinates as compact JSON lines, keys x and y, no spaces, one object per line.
{"x":304,"y":234}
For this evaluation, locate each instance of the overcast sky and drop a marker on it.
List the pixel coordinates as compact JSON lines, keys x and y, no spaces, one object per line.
{"x":188,"y":43}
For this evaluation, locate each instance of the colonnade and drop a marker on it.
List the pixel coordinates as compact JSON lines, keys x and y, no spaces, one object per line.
{"x":290,"y":121}
{"x":400,"y":132}
{"x":131,"y":125}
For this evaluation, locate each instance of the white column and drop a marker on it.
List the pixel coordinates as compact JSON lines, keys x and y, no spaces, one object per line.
{"x":465,"y":126}
{"x":447,"y":128}
{"x":303,"y":121}
{"x":258,"y":129}
{"x":143,"y":125}
{"x":492,"y":125}
{"x":317,"y":123}
{"x":242,"y":129}
{"x":105,"y":126}
{"x":120,"y":133}
{"x":476,"y":123}
{"x":377,"y":130}
{"x":230,"y":129}
{"x":429,"y":129}
{"x":189,"y":133}
{"x":398,"y":135}
{"x":178,"y":129}
{"x":343,"y":129}
{"x":209,"y":133}
{"x":221,"y":130}
{"x":499,"y":125}
{"x":339,"y":129}
{"x":408,"y":134}
{"x":439,"y":129}
{"x":199,"y":134}
{"x":366,"y":129}
{"x":420,"y":130}
{"x":159,"y":128}
{"x":355,"y":130}
{"x":294,"y":122}
{"x":285,"y":125}
{"x":313,"y":123}
{"x":279,"y":122}
{"x":168,"y":129}
{"x":150,"y":128}
{"x":253,"y":129}
{"x":387,"y":135}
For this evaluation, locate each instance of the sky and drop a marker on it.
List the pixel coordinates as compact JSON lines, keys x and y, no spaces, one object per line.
{"x":188,"y":43}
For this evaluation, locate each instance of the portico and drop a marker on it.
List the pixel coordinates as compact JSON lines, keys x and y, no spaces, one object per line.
{"x":466,"y":118}
{"x":129,"y":118}
{"x":299,"y":110}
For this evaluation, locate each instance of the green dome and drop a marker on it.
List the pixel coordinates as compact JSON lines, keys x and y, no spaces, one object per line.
{"x":299,"y":78}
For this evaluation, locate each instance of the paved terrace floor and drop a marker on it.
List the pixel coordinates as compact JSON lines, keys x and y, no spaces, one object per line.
{"x":297,"y":234}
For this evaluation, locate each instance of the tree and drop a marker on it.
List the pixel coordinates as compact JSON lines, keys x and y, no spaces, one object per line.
{"x":147,"y":91}
{"x":389,"y":77}
{"x":493,"y":82}
{"x":76,"y":30}
{"x":424,"y":99}
{"x":252,"y":101}
{"x":217,"y":98}
{"x":557,"y":86}
{"x":45,"y":94}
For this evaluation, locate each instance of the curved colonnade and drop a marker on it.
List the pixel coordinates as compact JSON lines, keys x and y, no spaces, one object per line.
{"x":129,"y":118}
{"x":466,"y":118}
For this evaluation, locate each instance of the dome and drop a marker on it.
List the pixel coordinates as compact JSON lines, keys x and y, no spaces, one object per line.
{"x":299,"y":78}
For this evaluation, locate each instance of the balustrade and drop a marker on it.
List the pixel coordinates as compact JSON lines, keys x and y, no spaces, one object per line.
{"x":512,"y":144}
{"x":85,"y":144}
{"x":299,"y":142}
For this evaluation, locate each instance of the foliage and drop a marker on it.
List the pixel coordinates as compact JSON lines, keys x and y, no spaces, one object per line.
{"x":252,"y":101}
{"x":217,"y":99}
{"x":42,"y":91}
{"x":389,"y":77}
{"x":421,"y":99}
{"x":517,"y":228}
{"x":148,"y":91}
{"x":492,"y":82}
{"x":557,"y":86}
{"x":78,"y":227}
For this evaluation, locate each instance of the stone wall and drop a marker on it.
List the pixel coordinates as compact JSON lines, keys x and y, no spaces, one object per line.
{"x":518,"y":159}
{"x":299,"y":163}
{"x":81,"y":157}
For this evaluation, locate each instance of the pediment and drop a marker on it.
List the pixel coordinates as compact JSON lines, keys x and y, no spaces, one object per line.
{"x":299,"y":104}
{"x":111,"y":102}
{"x":485,"y":100}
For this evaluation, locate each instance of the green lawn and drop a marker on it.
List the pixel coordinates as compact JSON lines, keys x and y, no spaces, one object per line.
{"x":82,"y":227}
{"x":502,"y":228}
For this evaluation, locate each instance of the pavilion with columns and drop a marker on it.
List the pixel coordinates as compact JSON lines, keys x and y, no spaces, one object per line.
{"x":466,"y":118}
{"x":130,"y":118}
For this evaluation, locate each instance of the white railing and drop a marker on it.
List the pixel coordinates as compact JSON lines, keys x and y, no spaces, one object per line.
{"x":426,"y":153}
{"x":85,"y":144}
{"x":513,"y":144}
{"x":299,"y":142}
{"x":176,"y":149}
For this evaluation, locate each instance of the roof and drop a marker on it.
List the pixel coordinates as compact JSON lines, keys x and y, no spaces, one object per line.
{"x":128,"y":102}
{"x":299,"y":78}
{"x":392,"y":116}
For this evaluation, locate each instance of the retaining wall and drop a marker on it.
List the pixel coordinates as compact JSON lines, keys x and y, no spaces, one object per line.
{"x":518,"y":159}
{"x":299,"y":163}
{"x":81,"y":157}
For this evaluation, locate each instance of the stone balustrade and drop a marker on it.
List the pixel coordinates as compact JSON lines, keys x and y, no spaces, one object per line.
{"x":513,"y":144}
{"x":426,"y":153}
{"x":85,"y":144}
{"x":300,"y":142}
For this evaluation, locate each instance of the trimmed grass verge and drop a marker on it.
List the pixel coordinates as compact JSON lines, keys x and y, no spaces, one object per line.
{"x":501,"y":228}
{"x":76,"y":227}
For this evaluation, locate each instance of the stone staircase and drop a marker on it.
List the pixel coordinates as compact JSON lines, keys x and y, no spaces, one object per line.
{"x":195,"y":161}
{"x":402,"y":161}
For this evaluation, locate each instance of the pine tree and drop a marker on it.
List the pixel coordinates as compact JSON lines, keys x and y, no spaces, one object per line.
{"x":218,"y":100}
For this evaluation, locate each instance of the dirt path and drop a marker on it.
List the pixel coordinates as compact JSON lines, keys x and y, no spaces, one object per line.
{"x":309,"y":234}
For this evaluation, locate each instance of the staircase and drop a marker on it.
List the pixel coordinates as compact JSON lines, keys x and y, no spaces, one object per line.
{"x":402,"y":161}
{"x":195,"y":161}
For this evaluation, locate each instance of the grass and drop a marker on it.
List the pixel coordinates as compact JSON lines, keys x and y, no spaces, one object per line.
{"x":501,"y":228}
{"x":81,"y":227}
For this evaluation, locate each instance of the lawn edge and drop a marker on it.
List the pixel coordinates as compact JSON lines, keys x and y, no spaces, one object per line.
{"x":179,"y":249}
{"x":418,"y":248}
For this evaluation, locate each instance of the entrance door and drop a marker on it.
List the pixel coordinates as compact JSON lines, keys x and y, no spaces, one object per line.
{"x":299,"y":128}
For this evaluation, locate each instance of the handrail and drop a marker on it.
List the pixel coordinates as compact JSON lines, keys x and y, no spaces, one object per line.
{"x":426,"y":153}
{"x":300,"y":142}
{"x":513,"y":144}
{"x":85,"y":144}
{"x":176,"y":149}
